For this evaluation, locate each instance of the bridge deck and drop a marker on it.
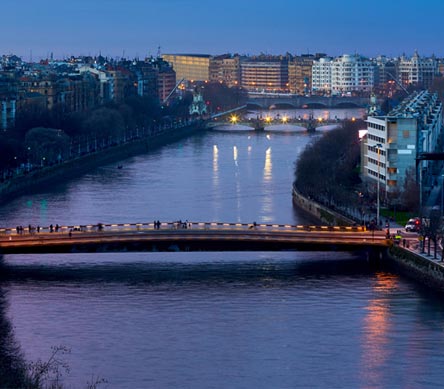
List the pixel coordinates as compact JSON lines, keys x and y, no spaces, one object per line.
{"x":177,"y":236}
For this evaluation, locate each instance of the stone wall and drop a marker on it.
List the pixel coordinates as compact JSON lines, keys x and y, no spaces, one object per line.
{"x":320,"y":212}
{"x":427,"y":271}
{"x":76,"y":167}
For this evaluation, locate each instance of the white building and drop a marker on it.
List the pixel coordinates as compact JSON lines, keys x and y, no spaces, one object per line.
{"x":352,"y":73}
{"x":417,"y":70}
{"x":343,"y":75}
{"x":321,"y":76}
{"x":394,"y":141}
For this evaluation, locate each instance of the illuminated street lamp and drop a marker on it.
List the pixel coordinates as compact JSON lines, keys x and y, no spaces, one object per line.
{"x":268,"y":119}
{"x":284,"y":119}
{"x":378,"y":146}
{"x":233,"y":119}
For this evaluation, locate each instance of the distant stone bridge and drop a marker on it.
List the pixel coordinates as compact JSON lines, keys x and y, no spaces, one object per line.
{"x":270,"y":101}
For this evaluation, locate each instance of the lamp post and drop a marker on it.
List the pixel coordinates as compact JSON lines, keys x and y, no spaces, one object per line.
{"x":378,"y":147}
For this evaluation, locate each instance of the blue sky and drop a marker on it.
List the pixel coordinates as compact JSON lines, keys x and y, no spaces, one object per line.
{"x":138,"y":27}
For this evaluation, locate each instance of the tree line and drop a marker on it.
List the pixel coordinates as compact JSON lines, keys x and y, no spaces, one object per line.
{"x":328,"y":171}
{"x":44,"y":137}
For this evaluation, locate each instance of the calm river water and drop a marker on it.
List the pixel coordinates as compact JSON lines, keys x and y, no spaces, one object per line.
{"x":214,"y":320}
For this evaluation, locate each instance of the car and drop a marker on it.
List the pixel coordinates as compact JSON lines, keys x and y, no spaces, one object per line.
{"x":413,"y":225}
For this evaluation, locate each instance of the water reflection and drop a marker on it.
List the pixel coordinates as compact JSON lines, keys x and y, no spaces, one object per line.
{"x":267,"y":199}
{"x":12,"y":364}
{"x":267,"y":166}
{"x":235,"y":155}
{"x":377,"y":326}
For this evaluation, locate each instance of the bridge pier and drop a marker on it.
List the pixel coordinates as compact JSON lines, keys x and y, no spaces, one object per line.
{"x":375,"y":255}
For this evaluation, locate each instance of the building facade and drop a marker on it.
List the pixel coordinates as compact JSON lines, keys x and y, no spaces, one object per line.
{"x":393,"y":142}
{"x":417,"y":70}
{"x":321,"y":76}
{"x":300,"y":71}
{"x":352,"y":73}
{"x":190,"y":67}
{"x":265,"y":74}
{"x":225,"y":69}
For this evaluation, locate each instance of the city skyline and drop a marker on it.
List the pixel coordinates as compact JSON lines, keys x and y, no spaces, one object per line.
{"x":136,"y":28}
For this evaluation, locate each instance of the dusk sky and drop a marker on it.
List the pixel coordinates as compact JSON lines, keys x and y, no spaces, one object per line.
{"x":137,"y":27}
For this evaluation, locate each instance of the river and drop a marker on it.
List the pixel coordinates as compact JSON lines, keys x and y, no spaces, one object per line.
{"x":214,"y":320}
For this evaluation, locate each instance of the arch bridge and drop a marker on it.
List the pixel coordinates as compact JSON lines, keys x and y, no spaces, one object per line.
{"x":270,"y":101}
{"x":188,"y":236}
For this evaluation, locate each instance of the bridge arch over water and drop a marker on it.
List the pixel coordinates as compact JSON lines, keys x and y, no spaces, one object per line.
{"x":189,"y":236}
{"x":264,"y":101}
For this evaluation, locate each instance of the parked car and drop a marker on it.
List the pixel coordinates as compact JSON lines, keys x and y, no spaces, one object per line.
{"x":413,"y":225}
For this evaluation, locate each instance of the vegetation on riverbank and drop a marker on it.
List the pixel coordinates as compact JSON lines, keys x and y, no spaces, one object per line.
{"x":44,"y":137}
{"x":328,"y":169}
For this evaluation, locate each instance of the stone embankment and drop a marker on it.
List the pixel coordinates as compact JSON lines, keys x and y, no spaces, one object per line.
{"x":415,"y":265}
{"x":322,"y":213}
{"x":420,"y":267}
{"x":74,"y":167}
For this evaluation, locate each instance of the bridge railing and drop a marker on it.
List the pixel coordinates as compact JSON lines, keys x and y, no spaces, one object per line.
{"x":174,"y":225}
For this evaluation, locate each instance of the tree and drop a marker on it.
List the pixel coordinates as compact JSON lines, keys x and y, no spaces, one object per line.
{"x":104,"y":123}
{"x":10,"y":151}
{"x":410,"y":193}
{"x":46,"y":145}
{"x":326,"y":169}
{"x":220,"y":97}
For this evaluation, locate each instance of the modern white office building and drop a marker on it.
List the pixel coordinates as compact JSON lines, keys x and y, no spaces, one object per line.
{"x":393,"y":142}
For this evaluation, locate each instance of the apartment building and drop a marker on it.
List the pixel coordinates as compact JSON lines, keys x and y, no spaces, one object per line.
{"x":386,"y":75}
{"x":352,"y":73}
{"x":393,"y":142}
{"x":225,"y":69}
{"x":321,"y":76}
{"x":300,"y":74}
{"x":417,"y":70}
{"x":265,"y":74}
{"x":8,"y":97}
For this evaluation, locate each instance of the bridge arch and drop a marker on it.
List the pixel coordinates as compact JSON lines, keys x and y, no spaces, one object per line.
{"x":283,"y":106}
{"x":315,"y":106}
{"x":254,"y":106}
{"x":347,"y":104}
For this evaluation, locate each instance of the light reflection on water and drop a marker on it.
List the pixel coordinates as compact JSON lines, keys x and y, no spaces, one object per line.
{"x":214,"y":320}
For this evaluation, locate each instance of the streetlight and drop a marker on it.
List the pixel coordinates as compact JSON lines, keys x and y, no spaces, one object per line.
{"x":378,"y":146}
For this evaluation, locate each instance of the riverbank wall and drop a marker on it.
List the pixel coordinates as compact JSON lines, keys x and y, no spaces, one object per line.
{"x":37,"y":179}
{"x":418,"y":267}
{"x":319,"y":211}
{"x":427,"y":271}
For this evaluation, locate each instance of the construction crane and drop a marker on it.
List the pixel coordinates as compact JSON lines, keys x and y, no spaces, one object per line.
{"x":398,"y":83}
{"x":171,"y":93}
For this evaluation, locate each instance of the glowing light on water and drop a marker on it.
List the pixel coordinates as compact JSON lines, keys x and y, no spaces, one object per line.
{"x":215,"y":165}
{"x":268,"y":165}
